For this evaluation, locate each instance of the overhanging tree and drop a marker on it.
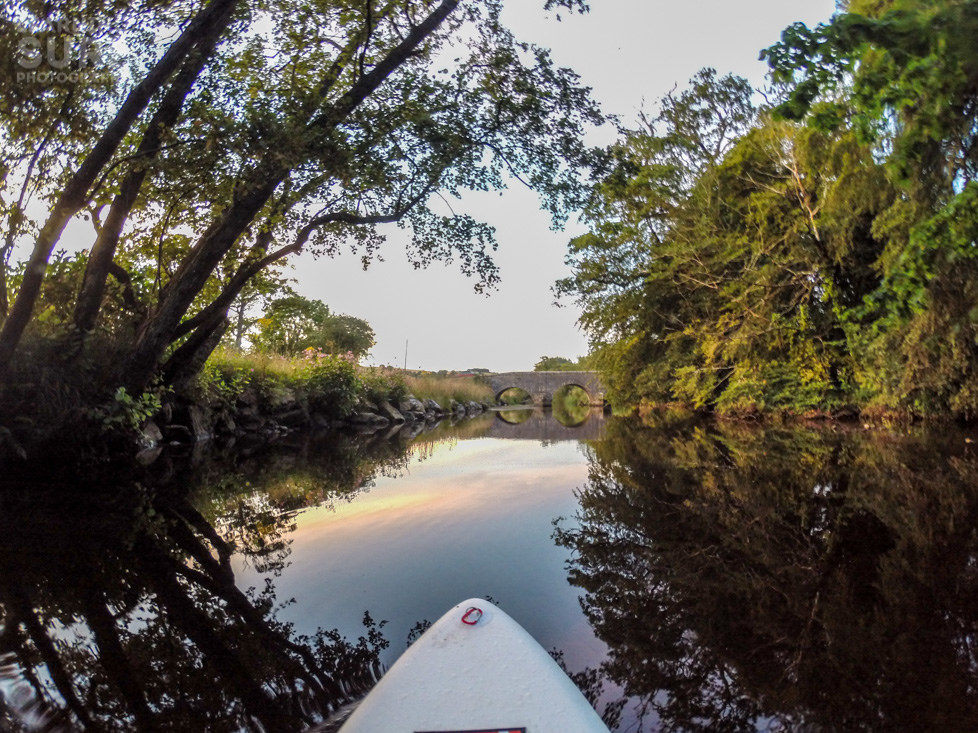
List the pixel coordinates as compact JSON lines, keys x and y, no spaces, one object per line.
{"x":728,"y":254}
{"x":262,"y":130}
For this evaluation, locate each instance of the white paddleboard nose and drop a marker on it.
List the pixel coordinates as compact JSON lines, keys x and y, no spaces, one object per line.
{"x":475,"y":666}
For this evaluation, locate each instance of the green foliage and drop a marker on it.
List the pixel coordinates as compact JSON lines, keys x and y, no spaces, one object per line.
{"x":329,"y":385}
{"x":551,"y":363}
{"x":383,"y":384}
{"x":906,"y":71}
{"x":56,"y":301}
{"x":921,"y":351}
{"x":912,"y":72}
{"x":126,"y":412}
{"x":560,"y":364}
{"x":215,"y":385}
{"x":333,"y":386}
{"x":808,"y":265}
{"x":293,"y":324}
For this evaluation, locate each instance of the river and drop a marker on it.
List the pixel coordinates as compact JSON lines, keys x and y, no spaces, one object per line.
{"x":690,"y":575}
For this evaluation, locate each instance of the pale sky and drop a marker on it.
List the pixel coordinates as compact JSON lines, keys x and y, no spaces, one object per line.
{"x":627,"y":51}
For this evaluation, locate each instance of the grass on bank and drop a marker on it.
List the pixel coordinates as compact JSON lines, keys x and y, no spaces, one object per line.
{"x":443,"y":389}
{"x":329,"y":384}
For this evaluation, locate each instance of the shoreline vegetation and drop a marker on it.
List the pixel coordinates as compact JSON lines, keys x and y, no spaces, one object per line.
{"x":809,"y":253}
{"x":239,"y":393}
{"x":246,"y":394}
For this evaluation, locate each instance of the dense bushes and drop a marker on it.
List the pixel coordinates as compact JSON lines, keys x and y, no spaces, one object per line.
{"x":327,"y":384}
{"x":814,"y":256}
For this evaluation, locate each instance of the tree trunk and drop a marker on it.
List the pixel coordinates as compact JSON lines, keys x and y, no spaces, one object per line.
{"x":232,"y":290}
{"x":189,"y":359}
{"x":218,"y":578}
{"x":75,"y":193}
{"x":99,"y":262}
{"x":24,"y":610}
{"x":157,"y":332}
{"x":200,"y":629}
{"x":16,"y":216}
{"x":239,"y":326}
{"x":112,"y":656}
{"x":4,"y":304}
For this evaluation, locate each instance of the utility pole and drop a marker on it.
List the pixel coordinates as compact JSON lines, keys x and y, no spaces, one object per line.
{"x":405,"y":354}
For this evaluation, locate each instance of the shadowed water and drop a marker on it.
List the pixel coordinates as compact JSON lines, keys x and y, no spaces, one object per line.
{"x":691,"y":576}
{"x":783,"y":578}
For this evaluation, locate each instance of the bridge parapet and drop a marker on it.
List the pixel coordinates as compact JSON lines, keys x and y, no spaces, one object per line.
{"x":542,"y":385}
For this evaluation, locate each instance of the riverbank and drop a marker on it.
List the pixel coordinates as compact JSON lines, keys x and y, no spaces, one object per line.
{"x":233,"y":395}
{"x":868,"y":417}
{"x":265,"y":395}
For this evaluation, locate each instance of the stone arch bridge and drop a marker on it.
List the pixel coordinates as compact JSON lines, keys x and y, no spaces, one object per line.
{"x":542,"y":385}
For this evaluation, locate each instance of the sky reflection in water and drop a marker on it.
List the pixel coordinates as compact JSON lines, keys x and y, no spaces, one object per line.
{"x":472,"y":519}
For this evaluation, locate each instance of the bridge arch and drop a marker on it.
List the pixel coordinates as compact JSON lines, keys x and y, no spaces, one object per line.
{"x":498,"y":396}
{"x":542,"y":385}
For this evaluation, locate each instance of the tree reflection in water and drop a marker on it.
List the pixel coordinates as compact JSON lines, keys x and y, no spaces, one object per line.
{"x":119,"y":609}
{"x":571,"y":405}
{"x":783,"y":578}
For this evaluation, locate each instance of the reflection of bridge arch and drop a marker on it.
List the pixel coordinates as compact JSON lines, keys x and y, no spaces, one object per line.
{"x":542,"y":385}
{"x":514,"y":417}
{"x":568,"y":420}
{"x":544,"y":426}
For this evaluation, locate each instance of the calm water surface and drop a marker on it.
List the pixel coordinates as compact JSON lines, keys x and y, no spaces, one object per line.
{"x":690,"y":576}
{"x":469,"y":518}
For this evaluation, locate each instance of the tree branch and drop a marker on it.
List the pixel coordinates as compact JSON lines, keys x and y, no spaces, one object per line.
{"x":128,"y":294}
{"x":97,"y":269}
{"x":251,"y":268}
{"x":157,"y":333}
{"x":75,"y":194}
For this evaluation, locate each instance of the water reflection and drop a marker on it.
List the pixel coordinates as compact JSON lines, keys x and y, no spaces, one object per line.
{"x":571,"y":405}
{"x":119,"y":608}
{"x":124,"y":603}
{"x":781,"y":578}
{"x":548,"y":426}
{"x":739,"y":578}
{"x":466,"y":518}
{"x":515,"y":417}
